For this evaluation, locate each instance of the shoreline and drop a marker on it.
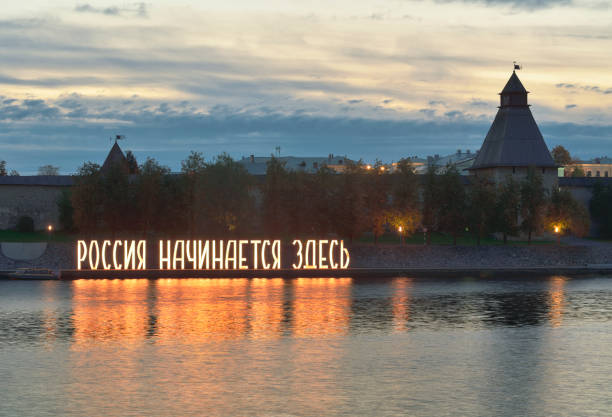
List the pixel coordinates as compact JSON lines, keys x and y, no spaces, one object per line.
{"x":485,"y":272}
{"x":578,"y":258}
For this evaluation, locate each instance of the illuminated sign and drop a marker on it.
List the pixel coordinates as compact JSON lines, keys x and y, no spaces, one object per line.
{"x":210,"y":254}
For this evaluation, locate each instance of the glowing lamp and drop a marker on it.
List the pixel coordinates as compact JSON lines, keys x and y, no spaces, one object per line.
{"x":50,"y":228}
{"x":382,"y":168}
{"x":557,"y":229}
{"x":399,"y":229}
{"x":368,"y":167}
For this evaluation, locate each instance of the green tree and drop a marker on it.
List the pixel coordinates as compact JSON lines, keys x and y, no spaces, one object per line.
{"x":349,"y":214}
{"x":431,"y":207}
{"x":452,"y":203}
{"x":404,"y":209}
{"x":151,"y":195}
{"x":507,"y":208}
{"x":224,"y":201}
{"x":3,"y":172}
{"x":600,"y":208}
{"x":561,"y":156}
{"x":66,"y":211}
{"x":480,"y":207}
{"x":131,"y":162}
{"x":533,"y":203}
{"x":275,"y":198}
{"x":376,"y":199}
{"x":86,"y":197}
{"x":566,"y":215}
{"x":193,"y":171}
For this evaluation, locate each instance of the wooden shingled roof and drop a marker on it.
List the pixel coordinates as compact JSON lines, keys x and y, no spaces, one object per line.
{"x":514,"y":138}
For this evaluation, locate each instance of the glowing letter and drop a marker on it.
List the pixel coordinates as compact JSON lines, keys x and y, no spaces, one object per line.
{"x":344,"y":256}
{"x":322,"y":258}
{"x":230,"y":244}
{"x":255,"y":244}
{"x":104,"y":245}
{"x":332,"y":264}
{"x":190,"y":249}
{"x":141,"y":252}
{"x":115,"y":264}
{"x":241,"y":259}
{"x":276,"y":254}
{"x":311,"y":259}
{"x":203,"y":254}
{"x":164,"y":259}
{"x":299,"y":254}
{"x":217,"y":260}
{"x":91,"y":263}
{"x":264,"y":264}
{"x":81,"y":252}
{"x":129,"y":254}
{"x":182,"y":253}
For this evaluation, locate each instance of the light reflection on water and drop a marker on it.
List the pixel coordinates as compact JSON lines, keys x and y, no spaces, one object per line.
{"x":324,"y":346}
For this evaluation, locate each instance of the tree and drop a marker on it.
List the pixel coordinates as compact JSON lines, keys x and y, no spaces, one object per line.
{"x":533,"y":203}
{"x":276,"y":195}
{"x":376,"y":199}
{"x":3,"y":172}
{"x":87,"y":198}
{"x":507,"y":208}
{"x":349,"y":213}
{"x":561,"y":156}
{"x":431,"y":208}
{"x":404,"y":209}
{"x":600,"y":208}
{"x":480,"y":207}
{"x":577,"y":172}
{"x":66,"y":211}
{"x":151,"y":195}
{"x":131,"y":162}
{"x":48,"y":170}
{"x":192,"y":168}
{"x":564,"y":214}
{"x":223,"y":199}
{"x":452,"y":203}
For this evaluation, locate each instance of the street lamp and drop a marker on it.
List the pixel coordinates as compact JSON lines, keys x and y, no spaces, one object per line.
{"x":400,"y":229}
{"x":557,"y":230}
{"x":49,"y":231}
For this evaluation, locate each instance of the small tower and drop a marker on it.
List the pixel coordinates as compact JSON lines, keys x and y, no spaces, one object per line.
{"x":115,"y":158}
{"x":514,"y":142}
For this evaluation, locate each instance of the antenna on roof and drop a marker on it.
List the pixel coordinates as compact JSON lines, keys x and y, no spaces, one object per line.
{"x":117,"y":137}
{"x":517,"y":66}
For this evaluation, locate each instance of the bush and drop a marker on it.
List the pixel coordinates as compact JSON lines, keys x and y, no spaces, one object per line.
{"x":25,"y":224}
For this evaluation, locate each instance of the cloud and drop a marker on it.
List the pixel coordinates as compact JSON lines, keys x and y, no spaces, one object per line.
{"x":590,"y":88}
{"x":136,"y":9}
{"x":526,"y":5}
{"x":571,"y":106}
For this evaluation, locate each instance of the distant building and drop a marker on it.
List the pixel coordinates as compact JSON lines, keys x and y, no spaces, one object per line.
{"x":514,"y":142}
{"x":597,"y":167}
{"x":115,"y":158}
{"x":257,"y":165}
{"x":460,"y":160}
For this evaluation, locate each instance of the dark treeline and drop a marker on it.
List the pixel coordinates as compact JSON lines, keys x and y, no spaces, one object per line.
{"x":221,"y":199}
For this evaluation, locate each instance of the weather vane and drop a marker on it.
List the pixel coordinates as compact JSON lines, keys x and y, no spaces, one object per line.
{"x":517,"y":66}
{"x":117,"y":137}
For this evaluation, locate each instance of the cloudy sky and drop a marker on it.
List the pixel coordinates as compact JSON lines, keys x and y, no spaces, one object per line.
{"x":369,"y":79}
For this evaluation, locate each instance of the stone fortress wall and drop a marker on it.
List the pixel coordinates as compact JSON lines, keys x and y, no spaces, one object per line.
{"x":36,"y":201}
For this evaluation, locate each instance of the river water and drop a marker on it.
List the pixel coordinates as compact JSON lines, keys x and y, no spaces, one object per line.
{"x":307,"y":347}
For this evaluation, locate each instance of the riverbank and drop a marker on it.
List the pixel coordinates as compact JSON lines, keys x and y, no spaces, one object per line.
{"x":388,"y":260}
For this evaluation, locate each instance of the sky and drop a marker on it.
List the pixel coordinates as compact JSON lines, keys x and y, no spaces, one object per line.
{"x":368,"y":79}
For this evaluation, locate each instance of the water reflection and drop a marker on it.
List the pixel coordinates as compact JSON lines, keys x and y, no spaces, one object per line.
{"x":400,"y":302}
{"x":556,"y":298}
{"x":110,"y":310}
{"x":202,"y":310}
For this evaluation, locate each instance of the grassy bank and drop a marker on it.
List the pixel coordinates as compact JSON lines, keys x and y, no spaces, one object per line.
{"x":40,"y":236}
{"x":442,"y":239}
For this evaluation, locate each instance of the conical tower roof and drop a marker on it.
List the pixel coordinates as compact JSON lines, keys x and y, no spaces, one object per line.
{"x":514,"y":138}
{"x":115,"y":157}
